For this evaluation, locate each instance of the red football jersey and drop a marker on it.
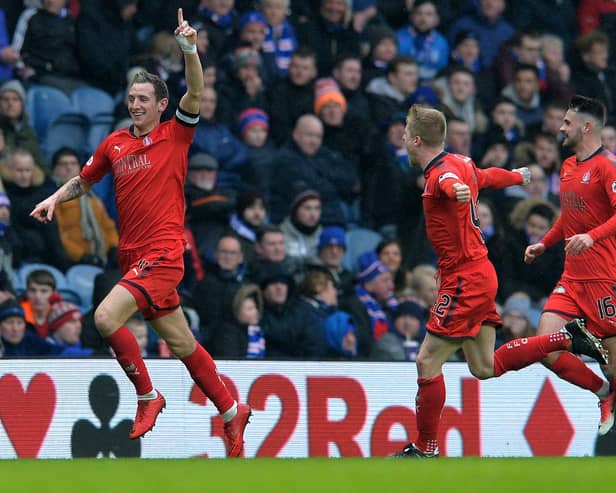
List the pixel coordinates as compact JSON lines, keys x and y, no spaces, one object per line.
{"x":588,"y":200}
{"x":452,"y":226}
{"x":148,"y":174}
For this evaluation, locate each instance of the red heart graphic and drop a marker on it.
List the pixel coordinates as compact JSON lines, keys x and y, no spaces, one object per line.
{"x":26,"y":416}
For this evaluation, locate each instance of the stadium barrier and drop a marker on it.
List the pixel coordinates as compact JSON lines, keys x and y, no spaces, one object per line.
{"x":84,"y":408}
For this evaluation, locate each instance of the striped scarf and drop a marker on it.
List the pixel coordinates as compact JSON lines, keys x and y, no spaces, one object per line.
{"x":379,"y":321}
{"x":256,"y":343}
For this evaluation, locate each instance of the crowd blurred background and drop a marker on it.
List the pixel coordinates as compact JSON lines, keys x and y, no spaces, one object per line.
{"x":304,"y":225}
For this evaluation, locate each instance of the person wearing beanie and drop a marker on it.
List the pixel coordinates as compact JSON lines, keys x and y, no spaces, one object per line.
{"x":302,"y":228}
{"x":64,"y":321}
{"x":249,"y":216}
{"x":383,"y":49}
{"x":9,"y":242}
{"x":17,"y":336}
{"x":253,"y":125}
{"x":326,"y":92}
{"x":252,"y":28}
{"x":402,"y":344}
{"x":15,"y":124}
{"x":331,"y":249}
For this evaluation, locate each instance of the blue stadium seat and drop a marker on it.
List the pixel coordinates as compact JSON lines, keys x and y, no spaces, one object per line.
{"x":80,"y":278}
{"x":72,"y":297}
{"x":25,"y":269}
{"x":43,"y":105}
{"x":69,"y":129}
{"x":358,"y":241}
{"x":90,"y":101}
{"x":100,"y":128}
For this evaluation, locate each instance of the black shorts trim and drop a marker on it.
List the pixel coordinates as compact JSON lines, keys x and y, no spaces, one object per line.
{"x":147,"y":296}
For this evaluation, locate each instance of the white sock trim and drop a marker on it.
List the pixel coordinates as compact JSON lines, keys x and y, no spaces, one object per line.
{"x":230,"y":413}
{"x":149,"y":396}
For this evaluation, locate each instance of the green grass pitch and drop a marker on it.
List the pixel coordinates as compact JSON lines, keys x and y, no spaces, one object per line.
{"x":456,"y":475}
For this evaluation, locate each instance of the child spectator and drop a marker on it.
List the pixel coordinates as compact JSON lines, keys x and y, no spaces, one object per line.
{"x":402,"y":344}
{"x":280,"y":38}
{"x":64,"y":321}
{"x":253,"y":126}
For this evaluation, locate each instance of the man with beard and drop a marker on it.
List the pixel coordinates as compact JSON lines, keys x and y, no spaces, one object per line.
{"x":588,"y":226}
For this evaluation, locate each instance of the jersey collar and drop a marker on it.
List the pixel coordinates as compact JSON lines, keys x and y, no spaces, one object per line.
{"x":435,"y":161}
{"x":598,"y":151}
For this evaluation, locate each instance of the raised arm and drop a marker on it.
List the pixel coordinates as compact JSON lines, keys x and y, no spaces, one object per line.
{"x":501,"y":178}
{"x":75,"y":187}
{"x":187,"y":39}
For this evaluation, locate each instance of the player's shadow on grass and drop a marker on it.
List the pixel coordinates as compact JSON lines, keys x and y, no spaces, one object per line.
{"x":89,"y":440}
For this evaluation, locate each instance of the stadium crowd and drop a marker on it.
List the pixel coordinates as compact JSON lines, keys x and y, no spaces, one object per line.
{"x":304,"y":226}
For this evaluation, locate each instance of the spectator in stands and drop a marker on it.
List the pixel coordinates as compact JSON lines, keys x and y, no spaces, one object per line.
{"x":242,"y":337}
{"x":459,"y":99}
{"x":608,"y":137}
{"x":525,"y":93}
{"x":490,"y":26}
{"x":280,"y":38}
{"x":90,"y":337}
{"x":40,"y":293}
{"x":531,"y":219}
{"x":270,"y":248}
{"x":253,"y":127}
{"x":304,"y":163}
{"x":245,"y":87}
{"x":9,"y":243}
{"x":9,"y":56}
{"x":558,"y":72}
{"x":421,"y":40}
{"x":389,"y":251}
{"x":383,"y":49}
{"x":65,"y":330}
{"x":493,"y":232}
{"x":209,"y":207}
{"x":423,"y":286}
{"x":220,"y":21}
{"x":594,"y":77}
{"x":165,"y":59}
{"x":497,"y":154}
{"x":139,"y":329}
{"x":553,"y":115}
{"x":302,"y":228}
{"x":293,"y":96}
{"x":41,"y":241}
{"x":49,"y":49}
{"x":375,"y":300}
{"x":105,"y":41}
{"x":539,"y":188}
{"x":347,"y":72}
{"x":520,"y":319}
{"x":402,"y":344}
{"x":329,"y":34}
{"x":249,"y":216}
{"x":459,"y":137}
{"x":398,"y":90}
{"x":213,"y":296}
{"x":523,"y":48}
{"x":288,"y":331}
{"x":18,"y":340}
{"x":87,"y":232}
{"x":216,"y":139}
{"x":331,"y":248}
{"x":18,"y":134}
{"x":252,"y":27}
{"x":505,"y":123}
{"x":336,"y":332}
{"x":547,"y":16}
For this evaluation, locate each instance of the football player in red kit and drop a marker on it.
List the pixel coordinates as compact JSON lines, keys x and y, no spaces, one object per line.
{"x":149,"y":164}
{"x":587,"y":223}
{"x":464,"y":314}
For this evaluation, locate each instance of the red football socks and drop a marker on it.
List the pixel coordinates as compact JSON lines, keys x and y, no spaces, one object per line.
{"x":128,"y":354}
{"x":203,"y":371}
{"x":429,"y":406}
{"x":572,"y":369}
{"x":520,"y":353}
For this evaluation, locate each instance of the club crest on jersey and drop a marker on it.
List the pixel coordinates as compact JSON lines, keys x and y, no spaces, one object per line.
{"x":89,"y":163}
{"x":446,"y":175}
{"x":614,"y":186}
{"x":586,"y":178}
{"x":147,"y":141}
{"x":559,"y":290}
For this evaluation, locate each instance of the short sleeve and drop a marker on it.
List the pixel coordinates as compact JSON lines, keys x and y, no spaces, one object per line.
{"x":98,"y":165}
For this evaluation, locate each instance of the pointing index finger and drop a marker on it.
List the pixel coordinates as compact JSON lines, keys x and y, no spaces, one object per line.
{"x":180,"y":17}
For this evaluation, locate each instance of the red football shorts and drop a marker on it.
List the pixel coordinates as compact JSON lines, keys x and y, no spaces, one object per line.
{"x":593,"y":300}
{"x":152,"y":275}
{"x":465,"y":302}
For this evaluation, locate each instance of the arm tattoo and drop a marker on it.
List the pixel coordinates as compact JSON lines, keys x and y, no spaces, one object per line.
{"x":71,"y":190}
